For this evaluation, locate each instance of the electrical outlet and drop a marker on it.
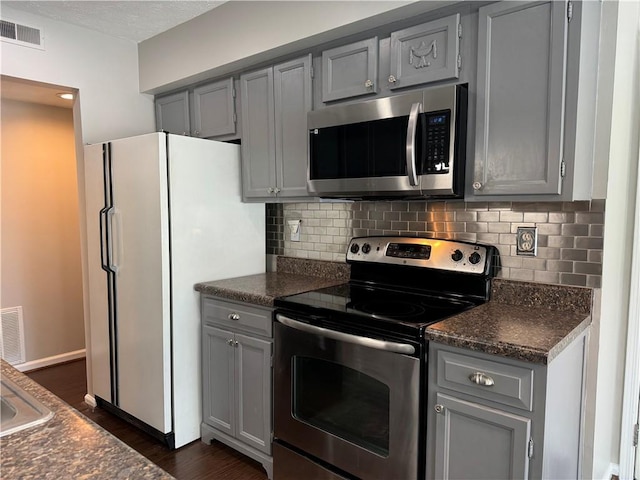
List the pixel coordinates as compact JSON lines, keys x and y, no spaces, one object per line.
{"x":527,"y":241}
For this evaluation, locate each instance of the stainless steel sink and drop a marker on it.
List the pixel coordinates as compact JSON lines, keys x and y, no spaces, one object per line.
{"x":19,"y":409}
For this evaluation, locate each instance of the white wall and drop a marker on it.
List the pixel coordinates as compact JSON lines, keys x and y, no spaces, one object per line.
{"x":239,"y":34}
{"x":103,"y":68}
{"x":618,"y":238}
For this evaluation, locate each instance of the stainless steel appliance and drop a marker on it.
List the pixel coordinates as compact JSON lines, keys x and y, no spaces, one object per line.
{"x":159,"y":209}
{"x":408,"y":145}
{"x":350,"y":360}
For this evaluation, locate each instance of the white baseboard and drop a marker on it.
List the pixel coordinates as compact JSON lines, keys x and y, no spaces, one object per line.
{"x":48,"y":361}
{"x":90,"y":400}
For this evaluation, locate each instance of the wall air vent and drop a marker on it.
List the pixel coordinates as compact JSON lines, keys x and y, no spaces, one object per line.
{"x":21,"y":34}
{"x":12,"y":335}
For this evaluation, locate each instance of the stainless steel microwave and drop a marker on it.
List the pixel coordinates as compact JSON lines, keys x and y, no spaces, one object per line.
{"x":411,"y":145}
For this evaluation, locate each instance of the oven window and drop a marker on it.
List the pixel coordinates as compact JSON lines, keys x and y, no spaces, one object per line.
{"x":342,"y":401}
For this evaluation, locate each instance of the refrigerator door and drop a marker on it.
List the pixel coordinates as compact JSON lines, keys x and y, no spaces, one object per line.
{"x":130,"y":352}
{"x":213,"y":236}
{"x":140,"y":246}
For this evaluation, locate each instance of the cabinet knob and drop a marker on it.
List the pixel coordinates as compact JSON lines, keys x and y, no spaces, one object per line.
{"x":185,"y":134}
{"x":392,"y":79}
{"x":235,"y":343}
{"x":197,"y":133}
{"x":477,"y":185}
{"x":439,"y":408}
{"x":234,"y":316}
{"x":276,"y":190}
{"x":482,"y":379}
{"x":270,"y":190}
{"x":230,"y":342}
{"x":368,"y":84}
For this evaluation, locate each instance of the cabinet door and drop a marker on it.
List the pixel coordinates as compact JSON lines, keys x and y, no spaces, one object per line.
{"x":218,"y":379}
{"x":258,"y":134}
{"x":350,"y":70}
{"x":172,"y":113}
{"x":292,"y":92}
{"x":214,"y":109}
{"x":253,"y":370}
{"x":425,"y":53}
{"x":476,"y":442}
{"x":520,"y":109}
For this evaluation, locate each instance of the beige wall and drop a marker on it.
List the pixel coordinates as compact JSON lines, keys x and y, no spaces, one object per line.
{"x":40,"y":233}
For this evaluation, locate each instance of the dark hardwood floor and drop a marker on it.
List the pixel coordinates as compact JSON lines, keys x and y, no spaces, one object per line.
{"x":195,"y":461}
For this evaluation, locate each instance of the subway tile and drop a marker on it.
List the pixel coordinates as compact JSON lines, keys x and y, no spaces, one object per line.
{"x":436,"y":206}
{"x":513,"y":227}
{"x":417,"y":206}
{"x":511,"y":262}
{"x":597,"y":205}
{"x":575,"y":230}
{"x":562,"y":217}
{"x":400,"y":206}
{"x":507,"y":239}
{"x":596,"y":230}
{"x":574,"y":254}
{"x":536,"y":217}
{"x":582,"y":206}
{"x":521,"y":274}
{"x":595,"y":256}
{"x":499,"y":227}
{"x":590,"y":217}
{"x":573,"y":279}
{"x":509,"y":216}
{"x":465,"y":216}
{"x":533,"y":263}
{"x":488,"y":216}
{"x":464,"y":236}
{"x":559,"y":266}
{"x":326,"y":206}
{"x":550,"y":229}
{"x":560,"y":242}
{"x":383,"y":225}
{"x":589,"y":242}
{"x":408,"y":216}
{"x":391,"y":216}
{"x":417,"y":226}
{"x":376,"y":215}
{"x":543,"y":240}
{"x":454,"y":205}
{"x":500,"y":206}
{"x":546,"y":277}
{"x":489,"y":238}
{"x":477,"y":227}
{"x":594,"y":281}
{"x":381,"y":206}
{"x":588,"y":268}
{"x":477,"y":206}
{"x":454,"y":227}
{"x":399,"y":225}
{"x":333,"y":214}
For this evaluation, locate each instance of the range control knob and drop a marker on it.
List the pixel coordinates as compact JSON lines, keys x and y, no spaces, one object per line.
{"x":457,"y":255}
{"x":474,"y":258}
{"x":355,"y":248}
{"x":366,"y":248}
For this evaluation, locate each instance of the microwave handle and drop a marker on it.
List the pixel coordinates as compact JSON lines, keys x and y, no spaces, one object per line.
{"x":412,"y":128}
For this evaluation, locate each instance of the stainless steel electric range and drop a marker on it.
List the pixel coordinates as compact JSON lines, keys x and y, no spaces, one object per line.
{"x":350,"y":360}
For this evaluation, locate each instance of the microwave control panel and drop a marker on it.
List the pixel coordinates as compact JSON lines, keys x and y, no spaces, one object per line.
{"x":437,"y":141}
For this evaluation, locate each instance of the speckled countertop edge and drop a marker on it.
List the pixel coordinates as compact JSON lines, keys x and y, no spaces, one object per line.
{"x":525,"y":321}
{"x":69,"y":445}
{"x":263,"y":288}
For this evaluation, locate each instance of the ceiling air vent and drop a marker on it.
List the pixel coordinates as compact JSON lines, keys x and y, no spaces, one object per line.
{"x":21,"y":34}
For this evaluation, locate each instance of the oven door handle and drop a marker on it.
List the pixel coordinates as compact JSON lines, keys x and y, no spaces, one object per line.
{"x":346,"y":337}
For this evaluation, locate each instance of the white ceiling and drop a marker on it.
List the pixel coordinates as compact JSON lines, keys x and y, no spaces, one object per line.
{"x":131,"y":20}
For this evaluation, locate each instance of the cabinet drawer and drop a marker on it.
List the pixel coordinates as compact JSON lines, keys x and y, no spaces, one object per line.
{"x":237,"y":315}
{"x":494,"y":381}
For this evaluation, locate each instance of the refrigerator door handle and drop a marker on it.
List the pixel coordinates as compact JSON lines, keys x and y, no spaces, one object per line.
{"x":104,"y":239}
{"x":115,"y":245}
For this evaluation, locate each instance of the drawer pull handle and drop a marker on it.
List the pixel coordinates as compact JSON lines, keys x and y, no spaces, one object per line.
{"x":481,"y":379}
{"x":234,"y":316}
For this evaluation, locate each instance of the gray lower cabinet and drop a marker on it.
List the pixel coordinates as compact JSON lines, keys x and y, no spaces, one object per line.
{"x":275,"y":102}
{"x":490,"y":417}
{"x":527,"y":75}
{"x":205,"y":111}
{"x":236,"y":377}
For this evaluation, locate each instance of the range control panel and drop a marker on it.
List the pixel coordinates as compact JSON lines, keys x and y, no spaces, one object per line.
{"x":433,"y":253}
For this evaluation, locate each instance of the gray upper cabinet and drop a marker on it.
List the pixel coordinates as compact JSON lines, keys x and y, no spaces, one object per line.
{"x":172,"y":113}
{"x":211,"y":113}
{"x":214,"y":109}
{"x":425,"y":53}
{"x":520,"y":110}
{"x":350,"y":70}
{"x":275,"y":102}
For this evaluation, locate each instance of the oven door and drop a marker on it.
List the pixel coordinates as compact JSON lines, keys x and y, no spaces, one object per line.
{"x":352,"y":406}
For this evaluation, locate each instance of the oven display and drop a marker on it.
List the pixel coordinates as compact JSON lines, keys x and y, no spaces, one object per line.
{"x":409,"y":250}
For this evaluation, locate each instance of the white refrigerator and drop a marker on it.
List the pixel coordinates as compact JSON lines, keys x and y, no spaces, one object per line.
{"x":163,"y":212}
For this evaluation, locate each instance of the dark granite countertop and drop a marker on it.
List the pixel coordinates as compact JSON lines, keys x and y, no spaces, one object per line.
{"x":524,"y":321}
{"x":69,"y":445}
{"x":263,"y":288}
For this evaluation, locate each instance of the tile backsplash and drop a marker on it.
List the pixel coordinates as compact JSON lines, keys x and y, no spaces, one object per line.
{"x":569,"y":233}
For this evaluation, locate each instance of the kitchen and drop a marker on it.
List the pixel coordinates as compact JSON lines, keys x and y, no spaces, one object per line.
{"x":105,"y":118}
